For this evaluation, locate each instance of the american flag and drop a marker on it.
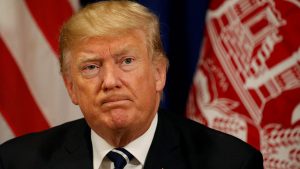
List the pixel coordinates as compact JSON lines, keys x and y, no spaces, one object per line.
{"x":32,"y":93}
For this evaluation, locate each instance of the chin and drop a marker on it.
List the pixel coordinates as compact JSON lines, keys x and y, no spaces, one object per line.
{"x":120,"y":119}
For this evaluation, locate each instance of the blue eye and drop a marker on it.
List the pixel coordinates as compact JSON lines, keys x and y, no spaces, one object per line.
{"x":128,"y":63}
{"x":90,"y":70}
{"x":90,"y":67}
{"x":127,"y":60}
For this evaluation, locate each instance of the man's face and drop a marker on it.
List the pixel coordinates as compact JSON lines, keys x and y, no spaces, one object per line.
{"x":115,"y":82}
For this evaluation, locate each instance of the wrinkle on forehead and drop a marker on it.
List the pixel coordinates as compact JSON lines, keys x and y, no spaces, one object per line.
{"x":111,"y":46}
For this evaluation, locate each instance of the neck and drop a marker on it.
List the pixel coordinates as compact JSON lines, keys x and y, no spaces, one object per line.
{"x":122,"y":137}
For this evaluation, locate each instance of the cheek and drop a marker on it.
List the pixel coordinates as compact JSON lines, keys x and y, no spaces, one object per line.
{"x":86,"y":91}
{"x":144,"y":80}
{"x":145,"y":87}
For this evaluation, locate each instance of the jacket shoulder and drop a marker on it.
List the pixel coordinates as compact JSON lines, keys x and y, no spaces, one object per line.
{"x":40,"y":146}
{"x":43,"y":137}
{"x":211,"y":148}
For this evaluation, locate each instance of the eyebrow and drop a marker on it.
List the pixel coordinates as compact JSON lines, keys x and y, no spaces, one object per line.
{"x":124,"y":49}
{"x":120,"y":53}
{"x":88,"y":57}
{"x":121,"y":50}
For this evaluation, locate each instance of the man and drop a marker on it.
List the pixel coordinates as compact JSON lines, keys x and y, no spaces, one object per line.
{"x":114,"y":68}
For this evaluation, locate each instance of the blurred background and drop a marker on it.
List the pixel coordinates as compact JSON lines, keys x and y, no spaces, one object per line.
{"x":234,"y":66}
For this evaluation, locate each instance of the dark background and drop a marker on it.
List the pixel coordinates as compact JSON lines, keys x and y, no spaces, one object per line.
{"x":182,"y":25}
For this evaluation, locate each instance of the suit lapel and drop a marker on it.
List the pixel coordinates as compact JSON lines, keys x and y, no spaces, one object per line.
{"x":76,"y":152}
{"x":165,"y":151}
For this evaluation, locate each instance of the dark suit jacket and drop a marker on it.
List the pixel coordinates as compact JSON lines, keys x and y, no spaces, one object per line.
{"x":177,"y":144}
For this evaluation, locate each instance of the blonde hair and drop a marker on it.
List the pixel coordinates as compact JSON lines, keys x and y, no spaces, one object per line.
{"x":110,"y":18}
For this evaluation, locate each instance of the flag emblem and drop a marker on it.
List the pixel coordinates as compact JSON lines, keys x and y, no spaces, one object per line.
{"x":247,"y":82}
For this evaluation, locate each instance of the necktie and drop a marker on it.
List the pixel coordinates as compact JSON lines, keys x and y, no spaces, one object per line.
{"x":120,"y":157}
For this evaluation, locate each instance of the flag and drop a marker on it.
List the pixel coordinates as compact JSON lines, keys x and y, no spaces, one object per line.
{"x":32,"y":93}
{"x":247,"y":82}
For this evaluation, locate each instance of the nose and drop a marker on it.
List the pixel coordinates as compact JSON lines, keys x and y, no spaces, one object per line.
{"x":110,"y":79}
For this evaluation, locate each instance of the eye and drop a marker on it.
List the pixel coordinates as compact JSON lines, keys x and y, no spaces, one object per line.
{"x":90,"y":70}
{"x":128,"y":61}
{"x":90,"y":67}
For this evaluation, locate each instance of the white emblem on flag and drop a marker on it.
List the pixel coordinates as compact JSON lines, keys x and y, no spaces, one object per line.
{"x":247,"y":82}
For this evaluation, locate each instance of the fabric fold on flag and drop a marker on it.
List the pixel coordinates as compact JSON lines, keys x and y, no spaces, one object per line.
{"x":32,"y":93}
{"x":247,"y":81}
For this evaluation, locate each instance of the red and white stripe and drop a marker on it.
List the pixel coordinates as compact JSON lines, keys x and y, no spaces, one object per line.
{"x":32,"y":93}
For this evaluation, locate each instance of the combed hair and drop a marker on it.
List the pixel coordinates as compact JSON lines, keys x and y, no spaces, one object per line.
{"x":110,"y":18}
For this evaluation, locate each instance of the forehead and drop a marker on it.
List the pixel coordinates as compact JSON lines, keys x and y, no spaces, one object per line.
{"x":123,"y":42}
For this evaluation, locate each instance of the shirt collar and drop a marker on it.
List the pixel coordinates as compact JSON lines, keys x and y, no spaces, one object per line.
{"x":138,"y":148}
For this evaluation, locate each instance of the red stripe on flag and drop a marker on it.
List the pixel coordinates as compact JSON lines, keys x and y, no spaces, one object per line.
{"x":16,"y":102}
{"x":50,"y":15}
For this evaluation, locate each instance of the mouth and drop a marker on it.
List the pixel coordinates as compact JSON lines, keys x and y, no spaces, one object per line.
{"x":115,"y":100}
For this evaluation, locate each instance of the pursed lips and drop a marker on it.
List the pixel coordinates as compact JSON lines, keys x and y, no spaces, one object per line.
{"x":115,"y":99}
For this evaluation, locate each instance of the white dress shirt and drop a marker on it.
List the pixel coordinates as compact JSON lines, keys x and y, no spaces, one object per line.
{"x":138,"y":148}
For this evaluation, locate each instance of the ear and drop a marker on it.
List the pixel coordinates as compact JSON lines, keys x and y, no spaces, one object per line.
{"x":70,"y":87}
{"x":160,"y":72}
